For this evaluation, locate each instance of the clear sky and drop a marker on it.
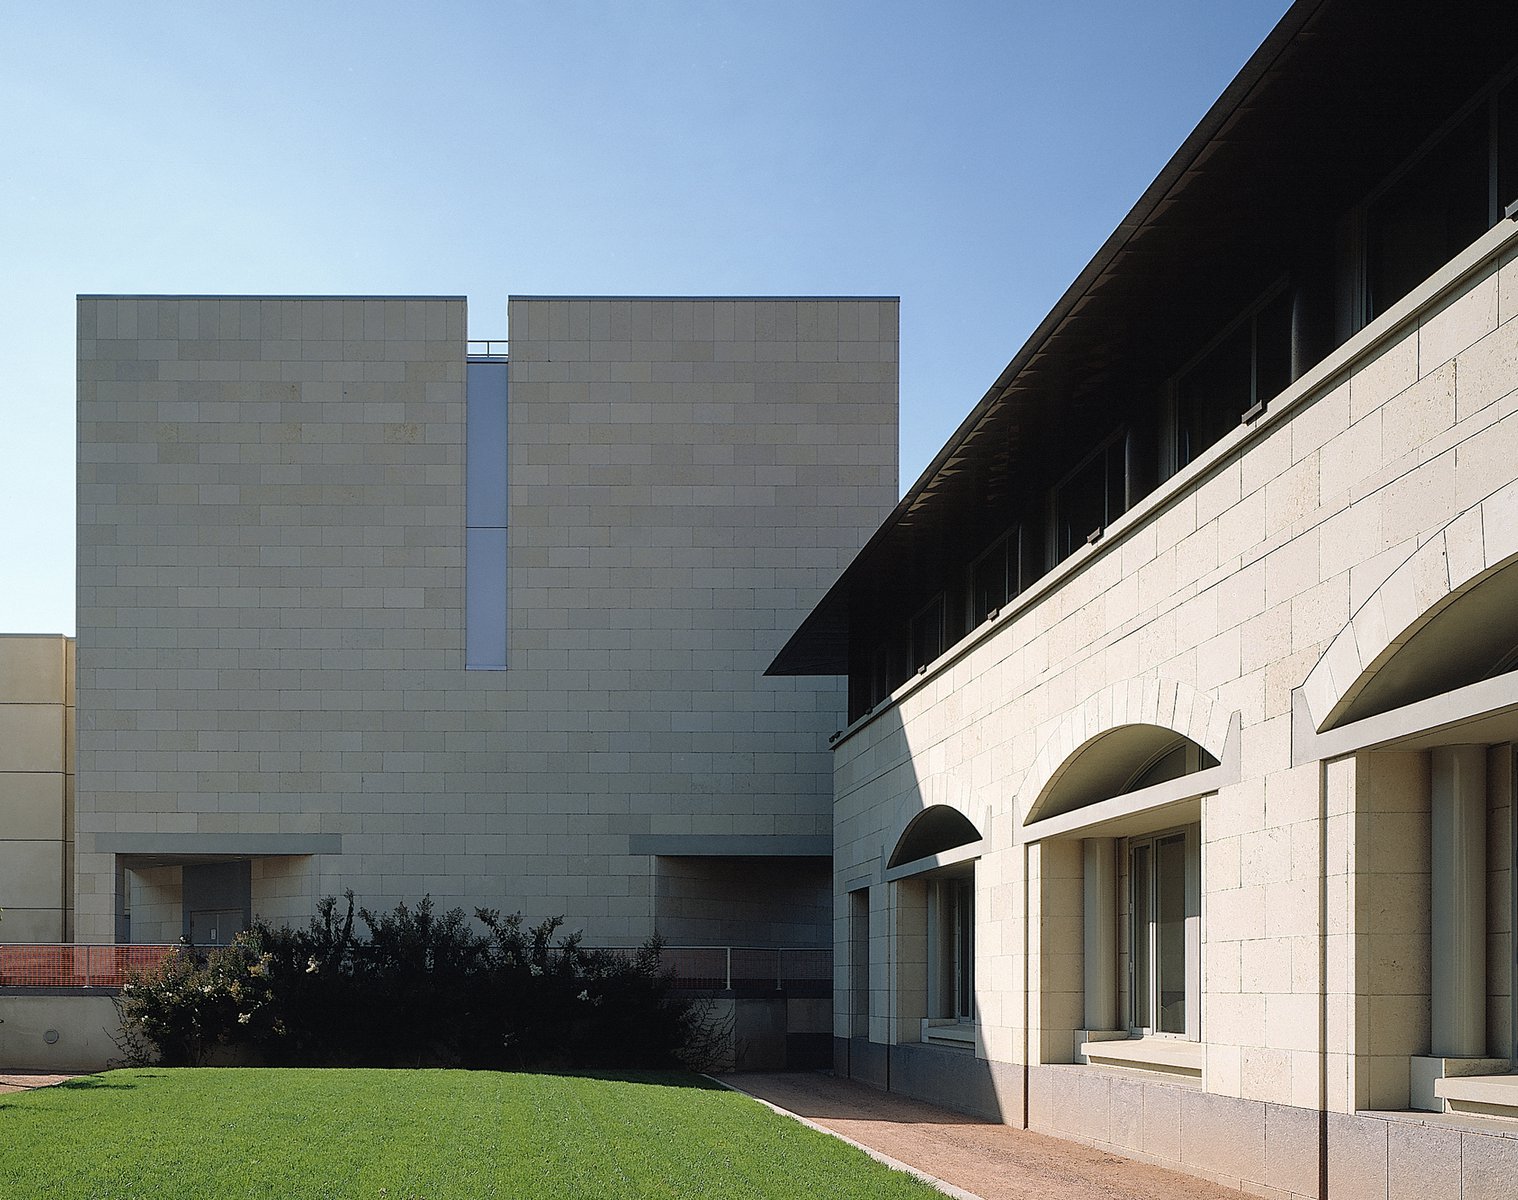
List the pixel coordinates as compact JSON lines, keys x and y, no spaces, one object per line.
{"x":968,"y":157}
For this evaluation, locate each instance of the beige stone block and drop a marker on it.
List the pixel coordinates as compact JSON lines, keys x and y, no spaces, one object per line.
{"x":1291,"y":1023}
{"x":31,"y":874}
{"x":1316,"y":424}
{"x":1487,"y":371}
{"x":1293,"y":495}
{"x":1421,"y":500}
{"x":1265,"y":1074}
{"x":33,"y":670}
{"x":1484,"y":462}
{"x":1347,"y":459}
{"x":1416,"y":416}
{"x":1458,"y":322}
{"x":1293,"y":568}
{"x":1345,"y":536}
{"x":31,"y":737}
{"x":31,"y":807}
{"x":1386,"y":373}
{"x":1264,"y":964}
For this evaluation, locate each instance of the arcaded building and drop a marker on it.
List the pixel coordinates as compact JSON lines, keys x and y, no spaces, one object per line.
{"x":1174,"y":811}
{"x":365,"y":605}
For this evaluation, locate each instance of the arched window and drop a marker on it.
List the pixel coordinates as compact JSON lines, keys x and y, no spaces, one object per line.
{"x":933,"y":866}
{"x":1473,"y":636}
{"x":1131,"y":795}
{"x":931,"y":832}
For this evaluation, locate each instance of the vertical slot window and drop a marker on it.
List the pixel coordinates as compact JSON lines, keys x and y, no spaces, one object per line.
{"x":859,"y":962}
{"x":996,"y":577}
{"x":485,"y":512}
{"x":1248,"y":366}
{"x":1138,"y":874}
{"x":1434,"y":211}
{"x":964,"y":949}
{"x":929,"y":637}
{"x":1091,"y":498}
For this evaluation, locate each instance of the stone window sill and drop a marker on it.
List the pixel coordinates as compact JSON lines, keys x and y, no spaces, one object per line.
{"x":1480,"y":1095}
{"x":949,"y":1033}
{"x":1176,"y":1057}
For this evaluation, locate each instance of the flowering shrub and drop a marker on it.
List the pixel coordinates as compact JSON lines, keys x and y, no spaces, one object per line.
{"x":416,"y":988}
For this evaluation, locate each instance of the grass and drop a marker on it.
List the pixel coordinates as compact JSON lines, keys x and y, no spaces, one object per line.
{"x":416,"y":1135}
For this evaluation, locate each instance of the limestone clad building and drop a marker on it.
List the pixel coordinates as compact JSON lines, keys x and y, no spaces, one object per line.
{"x":1171,"y":805}
{"x":1174,"y":812}
{"x":36,"y":788}
{"x":364,"y":606}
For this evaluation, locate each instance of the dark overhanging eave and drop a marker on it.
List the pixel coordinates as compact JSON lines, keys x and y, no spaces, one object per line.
{"x":820,"y":645}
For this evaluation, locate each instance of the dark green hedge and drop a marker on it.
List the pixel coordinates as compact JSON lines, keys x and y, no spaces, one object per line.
{"x":415,"y":988}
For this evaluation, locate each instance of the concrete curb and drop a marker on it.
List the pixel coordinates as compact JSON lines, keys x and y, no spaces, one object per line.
{"x":942,"y":1185}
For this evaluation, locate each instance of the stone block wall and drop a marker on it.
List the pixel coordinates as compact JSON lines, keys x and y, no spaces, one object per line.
{"x":36,"y":787}
{"x":271,"y":585}
{"x":1214,"y":600}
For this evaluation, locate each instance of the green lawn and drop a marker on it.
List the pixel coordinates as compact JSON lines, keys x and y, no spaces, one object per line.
{"x":204,"y":1134}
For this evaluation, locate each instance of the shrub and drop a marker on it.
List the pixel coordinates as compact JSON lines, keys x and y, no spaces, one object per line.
{"x":417,"y":988}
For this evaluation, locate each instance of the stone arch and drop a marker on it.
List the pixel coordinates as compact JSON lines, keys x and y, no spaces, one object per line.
{"x":945,"y":790}
{"x":1462,"y":555}
{"x":1168,"y":706}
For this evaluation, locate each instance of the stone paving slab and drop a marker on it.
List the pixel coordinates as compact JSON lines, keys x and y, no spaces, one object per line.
{"x":25,"y":1083}
{"x":982,"y":1158}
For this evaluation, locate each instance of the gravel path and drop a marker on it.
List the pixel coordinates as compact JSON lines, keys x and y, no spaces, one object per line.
{"x":991,"y":1161}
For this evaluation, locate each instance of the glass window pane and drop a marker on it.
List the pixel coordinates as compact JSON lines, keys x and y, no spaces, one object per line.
{"x":485,"y":598}
{"x":1212,"y":396}
{"x":1170,"y":932}
{"x":1138,"y":876}
{"x":964,"y":922}
{"x":485,"y":449}
{"x":1429,"y":215}
{"x":1081,"y":506}
{"x":1272,"y":348}
{"x":989,"y":586}
{"x":1507,"y":146}
{"x":928,"y":633}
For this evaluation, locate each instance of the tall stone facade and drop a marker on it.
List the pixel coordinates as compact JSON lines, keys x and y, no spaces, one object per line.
{"x":272,"y":599}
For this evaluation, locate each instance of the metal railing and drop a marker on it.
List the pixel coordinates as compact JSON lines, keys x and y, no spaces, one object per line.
{"x":75,"y":966}
{"x":486,"y":348}
{"x":696,"y":968}
{"x":724,"y":968}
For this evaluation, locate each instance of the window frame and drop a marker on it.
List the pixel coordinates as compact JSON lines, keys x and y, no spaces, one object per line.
{"x":951,"y":946}
{"x":1173,"y":448}
{"x":1118,"y":436}
{"x":1149,"y":935}
{"x":1010,"y":544}
{"x":1357,"y":223}
{"x":919,"y":660}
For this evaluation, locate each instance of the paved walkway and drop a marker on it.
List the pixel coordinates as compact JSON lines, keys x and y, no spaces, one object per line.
{"x":980,"y":1157}
{"x":25,"y":1083}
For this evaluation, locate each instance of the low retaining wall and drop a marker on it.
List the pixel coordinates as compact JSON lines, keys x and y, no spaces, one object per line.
{"x":54,"y":1032}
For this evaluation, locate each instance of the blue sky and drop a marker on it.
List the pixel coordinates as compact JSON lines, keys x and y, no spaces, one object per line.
{"x":967,"y":157}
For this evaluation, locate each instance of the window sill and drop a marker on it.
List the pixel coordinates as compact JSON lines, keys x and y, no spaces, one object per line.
{"x":1480,"y":1095}
{"x":1174,"y":1057}
{"x":940,"y":1032}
